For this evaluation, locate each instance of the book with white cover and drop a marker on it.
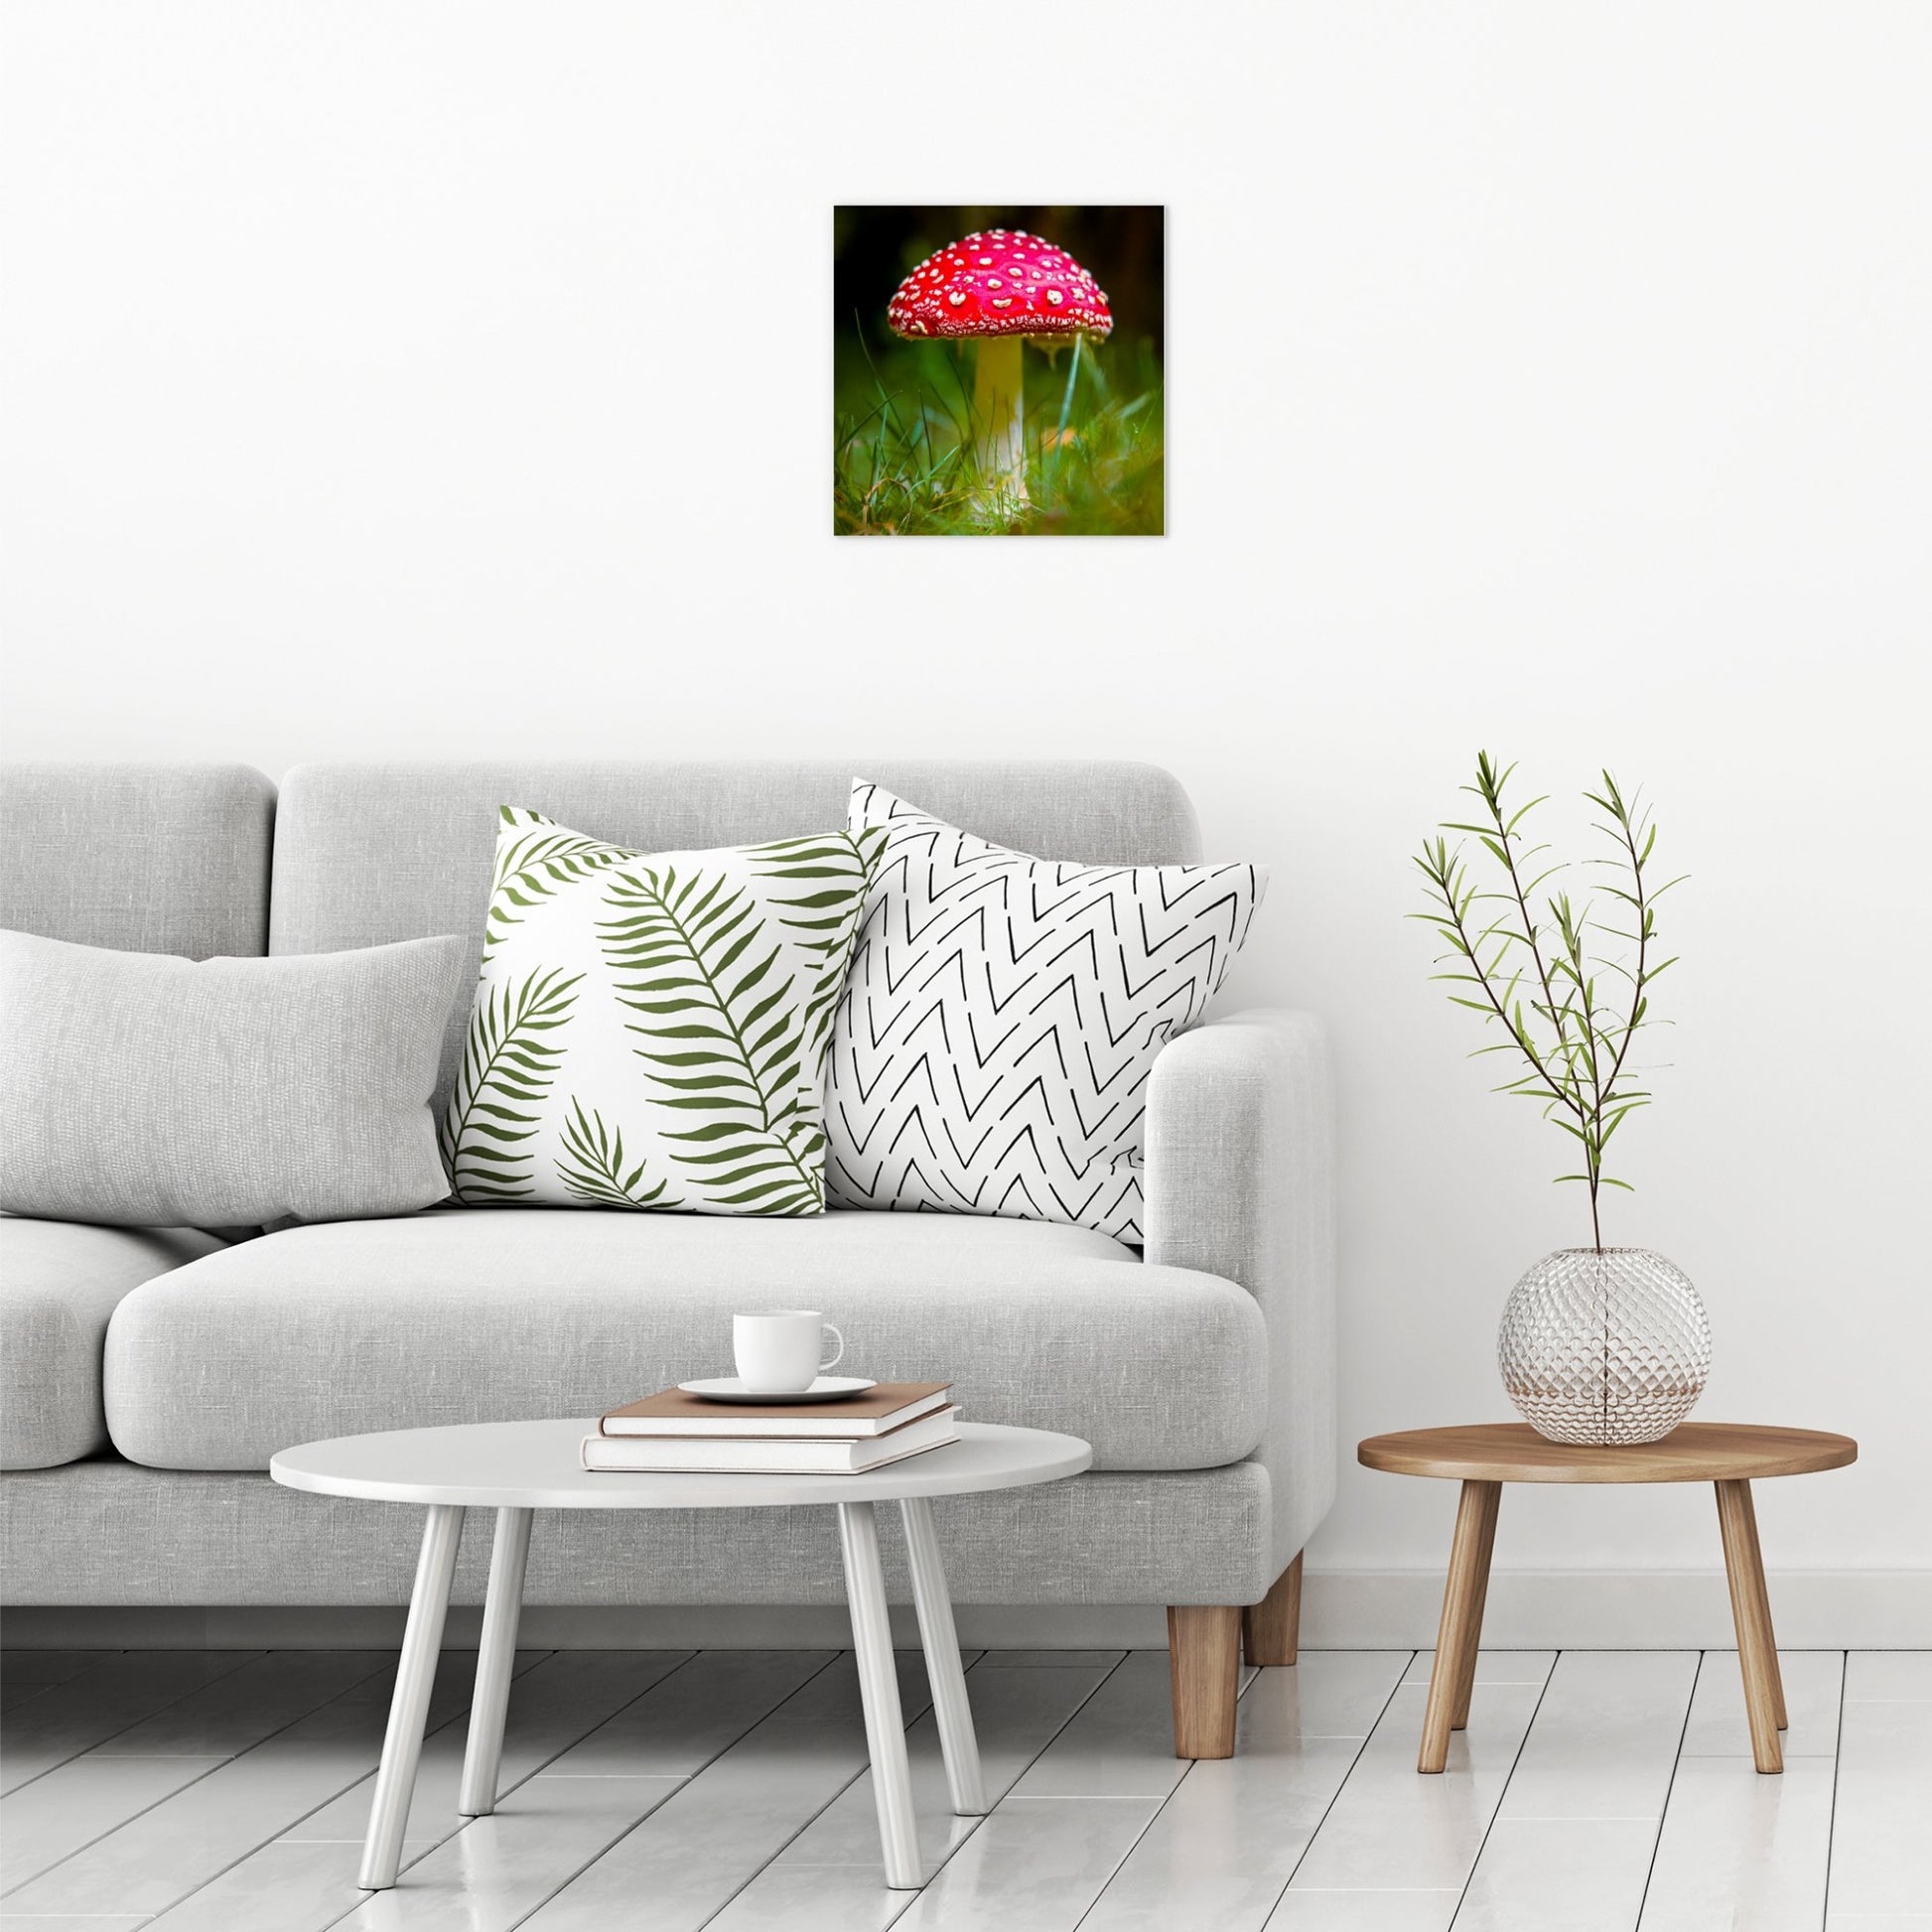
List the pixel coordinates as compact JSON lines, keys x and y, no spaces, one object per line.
{"x":880,"y":1410}
{"x":718,"y":1455}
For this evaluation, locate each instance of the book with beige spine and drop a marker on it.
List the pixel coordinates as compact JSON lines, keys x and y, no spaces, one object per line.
{"x":771,"y":1454}
{"x":674,"y":1413}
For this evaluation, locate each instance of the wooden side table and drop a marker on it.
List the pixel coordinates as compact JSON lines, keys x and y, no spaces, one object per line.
{"x":1485,"y":1456}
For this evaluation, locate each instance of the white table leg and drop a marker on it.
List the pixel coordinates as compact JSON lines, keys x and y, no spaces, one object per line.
{"x":495,"y":1664}
{"x":872,"y":1639}
{"x":942,"y":1668}
{"x":402,"y":1745}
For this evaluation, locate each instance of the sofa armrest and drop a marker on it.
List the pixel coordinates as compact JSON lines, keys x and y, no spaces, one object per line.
{"x":1240,"y":1182}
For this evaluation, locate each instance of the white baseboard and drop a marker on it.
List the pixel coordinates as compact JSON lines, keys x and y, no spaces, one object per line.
{"x":1871,"y":1609}
{"x":1594,"y":1610}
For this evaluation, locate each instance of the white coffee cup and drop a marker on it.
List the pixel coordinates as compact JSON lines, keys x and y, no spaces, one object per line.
{"x":782,"y":1351}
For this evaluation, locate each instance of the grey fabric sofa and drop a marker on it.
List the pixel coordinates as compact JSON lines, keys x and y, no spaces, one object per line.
{"x":149,"y":1376}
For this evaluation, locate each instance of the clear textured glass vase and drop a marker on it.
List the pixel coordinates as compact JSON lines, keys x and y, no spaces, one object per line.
{"x":1604,"y":1346}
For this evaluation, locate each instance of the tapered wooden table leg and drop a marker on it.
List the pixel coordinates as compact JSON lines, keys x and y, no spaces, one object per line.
{"x":1465,"y":1676}
{"x":1462,"y":1625}
{"x":1764,"y":1607}
{"x":1757,"y":1655}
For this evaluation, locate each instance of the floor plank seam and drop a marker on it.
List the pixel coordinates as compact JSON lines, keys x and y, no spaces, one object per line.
{"x":1341,"y":1783}
{"x":1837,"y":1759}
{"x":683,"y":1664}
{"x":1502,"y":1793}
{"x":1120,"y":1663}
{"x":908,"y":1899}
{"x":457,"y":1716}
{"x":726,"y":1904}
{"x":1092,"y":1797}
{"x":214,"y":1765}
{"x":119,"y":1825}
{"x":1088,"y":1797}
{"x":246,"y":1658}
{"x":281,"y":1836}
{"x":596,"y":1858}
{"x":684,"y":1778}
{"x":830,"y":1663}
{"x":1120,"y":1862}
{"x":434,"y":1844}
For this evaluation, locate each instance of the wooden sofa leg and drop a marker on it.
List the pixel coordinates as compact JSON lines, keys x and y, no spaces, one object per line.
{"x":1271,"y":1630}
{"x":1204,"y":1659}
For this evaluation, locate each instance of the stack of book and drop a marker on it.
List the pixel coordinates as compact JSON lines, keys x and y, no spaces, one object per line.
{"x":675,"y":1432}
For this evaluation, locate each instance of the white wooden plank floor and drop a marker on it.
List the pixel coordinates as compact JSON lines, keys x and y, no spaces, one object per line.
{"x":1594,"y":1791}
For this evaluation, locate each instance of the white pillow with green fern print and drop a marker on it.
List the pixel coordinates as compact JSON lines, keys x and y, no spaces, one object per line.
{"x":651,"y":1029}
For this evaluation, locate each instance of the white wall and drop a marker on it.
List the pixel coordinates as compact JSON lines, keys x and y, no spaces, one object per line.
{"x":452,"y":380}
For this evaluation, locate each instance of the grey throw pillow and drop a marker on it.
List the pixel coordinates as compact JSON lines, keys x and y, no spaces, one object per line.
{"x":150,"y":1091}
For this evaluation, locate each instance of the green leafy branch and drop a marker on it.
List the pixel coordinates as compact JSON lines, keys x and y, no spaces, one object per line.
{"x":531,"y":867}
{"x":1570,"y":1009}
{"x":593,"y":1164}
{"x":508,"y":1067}
{"x":838,"y":870}
{"x":725,"y":1041}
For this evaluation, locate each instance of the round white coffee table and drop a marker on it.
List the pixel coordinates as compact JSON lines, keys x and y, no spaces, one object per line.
{"x":514,"y":1467}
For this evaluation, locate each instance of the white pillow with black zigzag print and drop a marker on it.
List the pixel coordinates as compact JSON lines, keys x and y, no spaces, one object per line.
{"x":1002,"y":1016}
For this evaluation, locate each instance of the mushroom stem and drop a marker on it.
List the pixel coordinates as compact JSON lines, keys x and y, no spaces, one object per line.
{"x":1000,"y":418}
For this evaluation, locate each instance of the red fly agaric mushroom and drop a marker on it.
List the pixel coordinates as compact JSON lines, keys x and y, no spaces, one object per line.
{"x":1004,"y":288}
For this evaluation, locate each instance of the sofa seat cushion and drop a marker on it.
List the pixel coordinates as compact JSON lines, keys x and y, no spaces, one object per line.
{"x":59,"y":1282}
{"x":487,"y":1315}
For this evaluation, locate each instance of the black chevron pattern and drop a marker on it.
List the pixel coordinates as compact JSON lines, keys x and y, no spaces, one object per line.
{"x":1002,"y":1016}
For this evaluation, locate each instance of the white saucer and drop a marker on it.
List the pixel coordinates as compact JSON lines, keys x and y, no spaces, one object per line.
{"x":732,"y":1388}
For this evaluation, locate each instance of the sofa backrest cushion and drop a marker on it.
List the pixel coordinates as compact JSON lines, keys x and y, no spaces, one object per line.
{"x":369,"y":854}
{"x":141,"y":858}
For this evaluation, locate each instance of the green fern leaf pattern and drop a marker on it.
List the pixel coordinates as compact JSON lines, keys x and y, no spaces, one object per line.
{"x":533,"y":866}
{"x":509,"y":1066}
{"x":835,"y":873}
{"x":690,"y":953}
{"x":594,"y":1168}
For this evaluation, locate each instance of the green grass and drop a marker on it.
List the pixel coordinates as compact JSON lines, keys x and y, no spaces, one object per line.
{"x":903,"y":464}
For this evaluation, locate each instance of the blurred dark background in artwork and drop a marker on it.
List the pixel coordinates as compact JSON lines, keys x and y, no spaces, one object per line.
{"x":875,"y":249}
